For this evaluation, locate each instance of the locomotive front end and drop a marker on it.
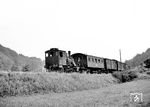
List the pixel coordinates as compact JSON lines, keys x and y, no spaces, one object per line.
{"x":56,"y":59}
{"x":51,"y":58}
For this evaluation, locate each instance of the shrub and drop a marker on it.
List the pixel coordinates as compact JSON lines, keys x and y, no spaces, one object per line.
{"x":124,"y":76}
{"x":26,"y":68}
{"x":142,"y":76}
{"x":117,"y":75}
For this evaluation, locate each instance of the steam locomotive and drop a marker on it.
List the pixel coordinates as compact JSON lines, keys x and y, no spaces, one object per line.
{"x":60,"y":60}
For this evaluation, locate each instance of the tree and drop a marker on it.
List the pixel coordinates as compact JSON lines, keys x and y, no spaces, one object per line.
{"x":147,"y":63}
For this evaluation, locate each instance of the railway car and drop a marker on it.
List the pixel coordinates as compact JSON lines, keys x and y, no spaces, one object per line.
{"x":120,"y":66}
{"x":95,"y":63}
{"x":114,"y":65}
{"x":88,"y":62}
{"x":108,"y":65}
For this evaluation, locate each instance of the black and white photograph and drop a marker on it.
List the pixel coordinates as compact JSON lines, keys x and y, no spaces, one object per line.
{"x":74,"y":53}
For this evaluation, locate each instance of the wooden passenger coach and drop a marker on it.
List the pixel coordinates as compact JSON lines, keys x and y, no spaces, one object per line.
{"x":89,"y":62}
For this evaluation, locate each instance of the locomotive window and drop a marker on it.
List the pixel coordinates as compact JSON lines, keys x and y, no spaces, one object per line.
{"x":79,"y":59}
{"x":56,"y":53}
{"x":51,"y":54}
{"x":99,"y":60}
{"x":61,"y":54}
{"x":46,"y":54}
{"x":89,"y":59}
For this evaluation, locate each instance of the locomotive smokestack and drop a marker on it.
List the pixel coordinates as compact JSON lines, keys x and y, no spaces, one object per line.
{"x":69,"y":53}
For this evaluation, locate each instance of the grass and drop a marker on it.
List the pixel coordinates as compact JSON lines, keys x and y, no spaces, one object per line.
{"x":113,"y":96}
{"x":73,"y":89}
{"x":22,"y":83}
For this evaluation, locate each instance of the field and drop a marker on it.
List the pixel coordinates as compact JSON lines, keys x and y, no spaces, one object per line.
{"x":91,"y":91}
{"x":113,"y":96}
{"x":20,"y":83}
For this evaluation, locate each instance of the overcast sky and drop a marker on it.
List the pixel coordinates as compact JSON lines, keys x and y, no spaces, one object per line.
{"x":95,"y":27}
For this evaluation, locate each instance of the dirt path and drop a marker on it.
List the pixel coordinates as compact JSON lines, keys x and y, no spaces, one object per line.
{"x":113,"y":96}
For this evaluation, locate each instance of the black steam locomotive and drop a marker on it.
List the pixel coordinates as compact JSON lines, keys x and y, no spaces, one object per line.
{"x":60,"y":60}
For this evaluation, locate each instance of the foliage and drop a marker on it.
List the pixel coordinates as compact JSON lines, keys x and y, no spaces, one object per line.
{"x":25,"y":83}
{"x":139,"y":58}
{"x":5,"y":62}
{"x":26,"y":68}
{"x":11,"y":60}
{"x":125,"y":76}
{"x":143,"y":76}
{"x":147,"y":63}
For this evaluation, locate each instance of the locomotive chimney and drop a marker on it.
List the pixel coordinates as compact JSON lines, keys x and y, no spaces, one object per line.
{"x":69,"y":53}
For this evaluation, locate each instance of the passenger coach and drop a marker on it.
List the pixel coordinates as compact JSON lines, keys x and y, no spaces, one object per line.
{"x":88,"y":62}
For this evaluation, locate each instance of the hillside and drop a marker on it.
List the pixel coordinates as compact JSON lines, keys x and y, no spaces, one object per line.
{"x":11,"y":60}
{"x":139,"y":58}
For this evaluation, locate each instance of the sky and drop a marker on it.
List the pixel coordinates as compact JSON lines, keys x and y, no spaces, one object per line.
{"x":94,"y":27}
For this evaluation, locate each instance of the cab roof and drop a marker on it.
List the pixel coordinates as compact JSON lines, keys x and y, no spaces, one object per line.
{"x":54,"y":50}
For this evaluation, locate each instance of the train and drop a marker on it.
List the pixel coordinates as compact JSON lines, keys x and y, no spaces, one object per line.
{"x":63,"y":61}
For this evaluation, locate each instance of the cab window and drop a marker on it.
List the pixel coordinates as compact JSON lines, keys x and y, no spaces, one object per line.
{"x":46,"y":54}
{"x":61,"y":54}
{"x":51,"y":54}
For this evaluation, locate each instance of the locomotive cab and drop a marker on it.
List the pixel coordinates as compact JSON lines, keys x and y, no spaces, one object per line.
{"x":57,"y":59}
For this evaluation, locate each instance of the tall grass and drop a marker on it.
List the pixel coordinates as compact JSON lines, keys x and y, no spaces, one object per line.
{"x":18,"y":83}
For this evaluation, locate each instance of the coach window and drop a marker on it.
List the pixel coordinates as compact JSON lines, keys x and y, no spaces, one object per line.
{"x":89,"y":59}
{"x":96,"y":60}
{"x":61,"y":54}
{"x":99,"y":61}
{"x":92,"y":59}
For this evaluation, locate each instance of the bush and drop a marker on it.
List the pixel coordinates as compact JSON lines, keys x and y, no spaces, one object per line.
{"x":142,"y":76}
{"x":117,"y":75}
{"x":26,"y":68}
{"x":124,"y":76}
